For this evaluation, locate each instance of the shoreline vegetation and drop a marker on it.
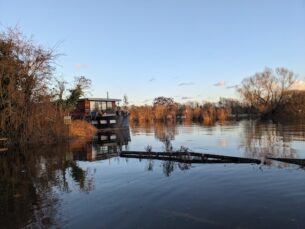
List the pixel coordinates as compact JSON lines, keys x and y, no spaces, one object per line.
{"x":33,"y":101}
{"x":166,"y":110}
{"x":82,"y":129}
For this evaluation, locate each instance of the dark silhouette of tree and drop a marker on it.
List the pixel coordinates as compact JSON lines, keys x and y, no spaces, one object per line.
{"x":81,"y":85}
{"x":163,"y":101}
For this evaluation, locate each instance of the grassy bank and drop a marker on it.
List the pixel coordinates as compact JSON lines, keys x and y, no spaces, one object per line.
{"x":82,"y":129}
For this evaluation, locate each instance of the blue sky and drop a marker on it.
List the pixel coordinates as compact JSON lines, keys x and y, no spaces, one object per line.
{"x":188,"y":50}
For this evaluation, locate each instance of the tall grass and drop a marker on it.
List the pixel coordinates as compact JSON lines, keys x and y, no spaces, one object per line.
{"x":207,"y":113}
{"x":83,"y":129}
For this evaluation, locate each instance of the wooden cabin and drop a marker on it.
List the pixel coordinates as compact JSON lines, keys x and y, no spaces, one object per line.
{"x":90,"y":106}
{"x":101,"y":112}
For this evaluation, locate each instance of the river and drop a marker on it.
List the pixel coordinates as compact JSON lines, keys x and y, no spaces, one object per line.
{"x":87,"y":185}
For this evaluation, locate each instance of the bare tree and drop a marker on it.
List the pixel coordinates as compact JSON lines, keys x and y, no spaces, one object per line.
{"x":125,"y":101}
{"x":80,"y":88}
{"x":266,"y":90}
{"x":164,"y":101}
{"x":83,"y":83}
{"x":25,"y":73}
{"x":59,"y":89}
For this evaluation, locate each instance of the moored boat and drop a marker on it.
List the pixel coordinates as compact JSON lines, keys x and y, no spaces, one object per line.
{"x":103,"y":113}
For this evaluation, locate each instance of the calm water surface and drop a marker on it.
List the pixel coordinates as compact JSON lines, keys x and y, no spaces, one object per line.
{"x":88,"y":186}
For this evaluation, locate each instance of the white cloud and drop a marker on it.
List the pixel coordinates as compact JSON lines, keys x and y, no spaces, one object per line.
{"x":186,"y":84}
{"x":221,"y":83}
{"x":185,"y":97}
{"x":298,"y":85}
{"x":152,"y":79}
{"x":147,"y":101}
{"x":232,"y":87}
{"x":80,"y":66}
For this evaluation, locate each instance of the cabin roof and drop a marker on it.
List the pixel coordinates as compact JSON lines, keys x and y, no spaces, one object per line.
{"x":101,"y":99}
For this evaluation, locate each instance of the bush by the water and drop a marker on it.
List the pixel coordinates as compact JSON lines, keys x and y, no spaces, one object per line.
{"x":80,"y":128}
{"x":33,"y":102}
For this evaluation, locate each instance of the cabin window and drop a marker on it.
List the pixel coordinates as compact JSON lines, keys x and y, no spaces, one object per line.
{"x":109,"y":105}
{"x":94,"y":106}
{"x":103,"y":122}
{"x":99,"y":106}
{"x":104,"y":137}
{"x":104,"y":149}
{"x":113,"y":137}
{"x":103,"y":106}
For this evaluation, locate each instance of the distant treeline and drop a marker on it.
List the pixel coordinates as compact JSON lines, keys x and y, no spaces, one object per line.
{"x":271,"y":94}
{"x":165,"y":109}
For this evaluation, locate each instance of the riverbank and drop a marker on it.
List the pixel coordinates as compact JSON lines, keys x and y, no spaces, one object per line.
{"x":82,"y":129}
{"x":78,"y":130}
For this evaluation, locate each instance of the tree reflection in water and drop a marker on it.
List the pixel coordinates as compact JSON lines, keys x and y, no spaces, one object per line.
{"x":161,"y":130}
{"x":168,"y":166}
{"x":28,"y":178}
{"x":267,"y":139}
{"x":257,"y":139}
{"x":166,"y":134}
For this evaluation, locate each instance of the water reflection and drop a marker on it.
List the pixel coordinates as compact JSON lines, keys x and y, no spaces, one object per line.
{"x":30,"y":175}
{"x":107,"y":144}
{"x":28,"y":178}
{"x":168,"y":167}
{"x":253,"y":139}
{"x":246,"y":138}
{"x":161,"y":131}
{"x":36,"y":181}
{"x":267,"y":139}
